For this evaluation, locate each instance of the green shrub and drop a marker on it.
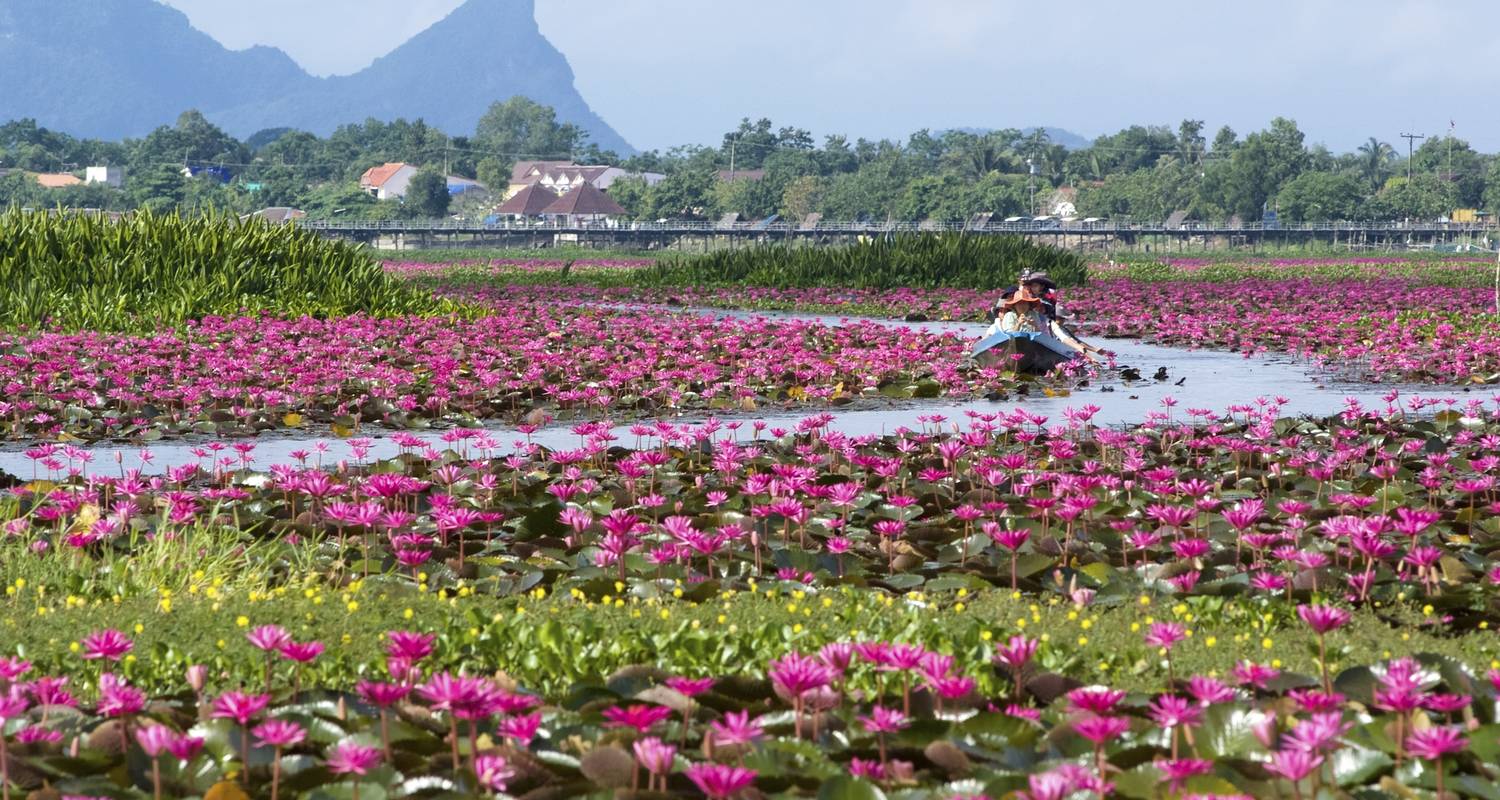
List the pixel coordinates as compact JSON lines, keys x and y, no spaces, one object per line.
{"x":77,"y":271}
{"x":916,"y":261}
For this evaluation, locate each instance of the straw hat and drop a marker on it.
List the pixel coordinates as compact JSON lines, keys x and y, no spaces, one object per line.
{"x":1021,"y":296}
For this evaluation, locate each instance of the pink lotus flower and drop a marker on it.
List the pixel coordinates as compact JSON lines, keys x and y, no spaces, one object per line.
{"x":1099,"y":729}
{"x":1165,"y":635}
{"x":493,"y":772}
{"x":689,"y":686}
{"x":154,"y":739}
{"x":302,"y":652}
{"x":654,"y":755}
{"x":382,"y":695}
{"x":110,"y":645}
{"x":1294,"y":765}
{"x":270,"y":638}
{"x":640,"y":717}
{"x":720,"y":781}
{"x":353,"y":759}
{"x":185,"y":748}
{"x":409,"y":646}
{"x":1016,"y":653}
{"x":1323,"y":619}
{"x":885,"y":720}
{"x":239,"y":706}
{"x":736,"y":728}
{"x":279,"y":733}
{"x":118,"y":698}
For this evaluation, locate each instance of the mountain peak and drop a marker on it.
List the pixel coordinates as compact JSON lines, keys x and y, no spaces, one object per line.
{"x":118,"y":68}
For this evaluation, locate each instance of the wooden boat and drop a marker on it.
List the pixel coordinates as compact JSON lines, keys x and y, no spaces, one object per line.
{"x":1038,"y":352}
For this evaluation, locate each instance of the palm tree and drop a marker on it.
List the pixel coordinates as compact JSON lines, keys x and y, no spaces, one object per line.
{"x":1375,"y":159}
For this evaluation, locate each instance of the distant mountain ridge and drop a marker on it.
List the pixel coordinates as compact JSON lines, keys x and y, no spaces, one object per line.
{"x":120,"y":68}
{"x":1062,"y":136}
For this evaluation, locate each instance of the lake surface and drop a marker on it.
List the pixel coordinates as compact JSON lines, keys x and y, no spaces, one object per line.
{"x":1209,"y":379}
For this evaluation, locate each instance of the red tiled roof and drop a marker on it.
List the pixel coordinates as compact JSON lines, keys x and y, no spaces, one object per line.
{"x":586,"y":200}
{"x":375,"y":177}
{"x":58,"y":180}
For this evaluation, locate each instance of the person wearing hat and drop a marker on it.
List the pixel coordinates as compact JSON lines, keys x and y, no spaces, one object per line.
{"x":1041,"y":285}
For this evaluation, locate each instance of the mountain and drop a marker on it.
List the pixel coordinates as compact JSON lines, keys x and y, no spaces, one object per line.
{"x":116,"y":68}
{"x":1066,"y":138}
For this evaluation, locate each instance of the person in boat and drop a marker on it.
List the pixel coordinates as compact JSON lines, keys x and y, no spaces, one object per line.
{"x":1041,"y":286}
{"x":1025,"y":310}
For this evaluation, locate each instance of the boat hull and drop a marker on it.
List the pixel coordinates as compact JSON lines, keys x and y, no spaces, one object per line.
{"x":1034,"y":353}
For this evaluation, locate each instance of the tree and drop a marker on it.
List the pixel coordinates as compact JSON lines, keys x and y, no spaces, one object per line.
{"x":1375,"y":159}
{"x":520,"y":128}
{"x":1190,"y":142}
{"x":1319,"y":197}
{"x":192,"y":141}
{"x":801,"y":197}
{"x":427,"y":195}
{"x":683,"y":194}
{"x":1225,"y":141}
{"x":633,"y":194}
{"x":1453,"y":160}
{"x":1424,"y":197}
{"x":1260,"y":166}
{"x":160,"y":188}
{"x":494,"y":173}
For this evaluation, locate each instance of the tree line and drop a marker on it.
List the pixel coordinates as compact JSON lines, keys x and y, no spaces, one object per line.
{"x":1141,"y":172}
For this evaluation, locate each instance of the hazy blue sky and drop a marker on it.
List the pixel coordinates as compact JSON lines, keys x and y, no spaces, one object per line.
{"x":667,"y":72}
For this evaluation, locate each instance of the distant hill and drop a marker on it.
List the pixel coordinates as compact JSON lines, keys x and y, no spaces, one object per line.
{"x":120,"y":68}
{"x":1066,"y":138}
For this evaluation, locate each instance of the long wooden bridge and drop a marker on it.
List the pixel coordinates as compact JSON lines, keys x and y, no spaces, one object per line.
{"x":1089,"y":235}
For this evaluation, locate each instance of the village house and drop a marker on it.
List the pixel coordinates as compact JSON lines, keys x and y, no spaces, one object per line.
{"x":113,"y":177}
{"x":561,"y":177}
{"x":57,"y":180}
{"x":388,"y":181}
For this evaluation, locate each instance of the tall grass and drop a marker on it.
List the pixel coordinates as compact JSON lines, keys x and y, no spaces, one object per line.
{"x":76,"y":271}
{"x":905,"y":261}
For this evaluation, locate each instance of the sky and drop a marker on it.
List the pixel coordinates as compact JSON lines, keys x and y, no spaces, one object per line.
{"x":670,"y":72}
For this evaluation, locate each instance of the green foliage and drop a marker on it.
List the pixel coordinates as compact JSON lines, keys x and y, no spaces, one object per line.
{"x":909,"y":260}
{"x":146,"y":270}
{"x":1320,"y":196}
{"x":427,"y":195}
{"x":520,"y":128}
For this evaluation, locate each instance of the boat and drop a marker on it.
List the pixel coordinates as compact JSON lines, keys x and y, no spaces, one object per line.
{"x":1038,"y":352}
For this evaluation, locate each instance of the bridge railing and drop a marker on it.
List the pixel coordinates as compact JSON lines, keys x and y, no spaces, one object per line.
{"x":699,"y":227}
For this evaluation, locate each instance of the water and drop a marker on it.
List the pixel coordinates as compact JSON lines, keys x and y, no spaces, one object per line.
{"x":1210,"y":379}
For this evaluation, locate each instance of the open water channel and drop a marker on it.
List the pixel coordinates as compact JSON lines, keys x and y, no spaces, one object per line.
{"x":1209,"y":379}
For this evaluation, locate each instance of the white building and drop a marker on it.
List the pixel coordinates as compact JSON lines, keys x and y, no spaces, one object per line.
{"x":109,"y":176}
{"x":388,"y":181}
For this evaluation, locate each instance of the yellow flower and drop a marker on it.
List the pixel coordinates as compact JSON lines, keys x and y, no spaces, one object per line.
{"x":1210,"y":641}
{"x":1266,"y":643}
{"x":74,"y":647}
{"x":1276,"y":663}
{"x":242,"y":621}
{"x":1083,"y":640}
{"x":407,"y":614}
{"x":986,"y":635}
{"x":665,"y":614}
{"x":353,"y":606}
{"x":797,"y":628}
{"x":1145,"y":601}
{"x":958,"y":607}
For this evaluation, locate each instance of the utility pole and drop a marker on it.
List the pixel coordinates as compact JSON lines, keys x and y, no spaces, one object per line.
{"x":1410,"y":138}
